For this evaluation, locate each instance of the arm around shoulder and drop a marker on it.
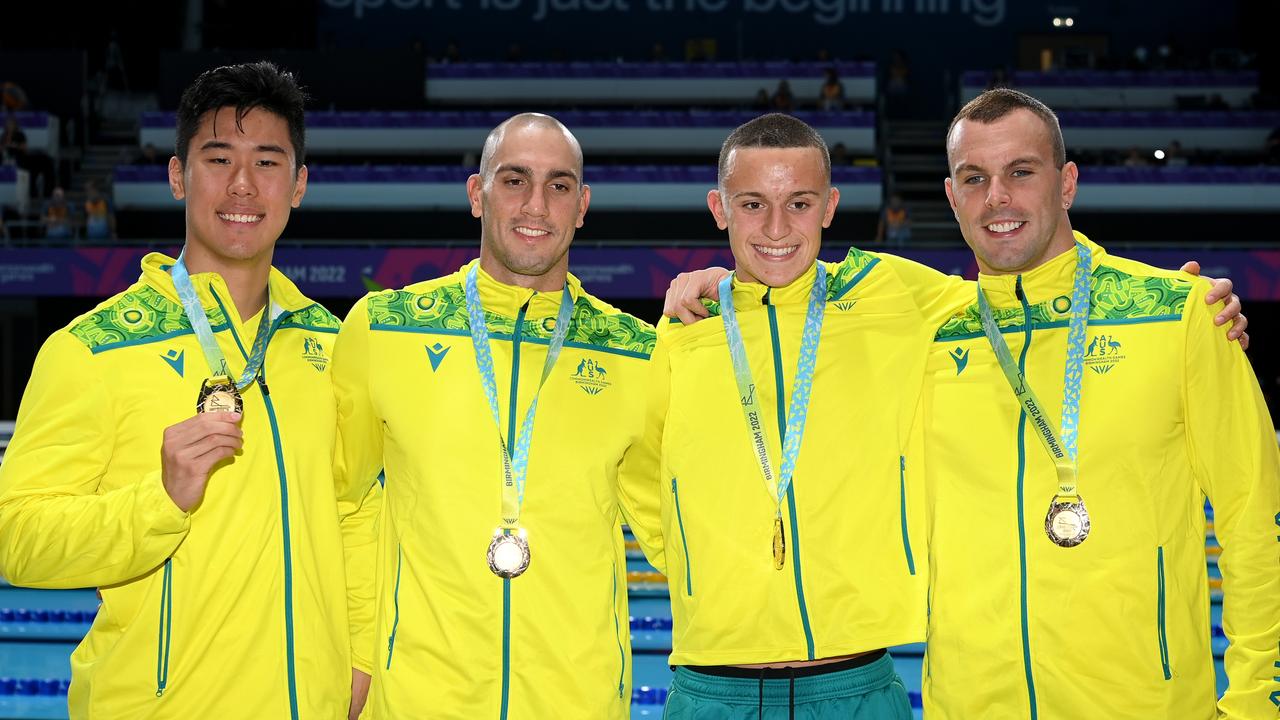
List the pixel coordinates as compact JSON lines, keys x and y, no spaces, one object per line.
{"x":640,"y":474}
{"x":937,"y":294}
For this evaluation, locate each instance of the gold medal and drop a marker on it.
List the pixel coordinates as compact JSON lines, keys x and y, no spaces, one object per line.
{"x":508,"y":554}
{"x":779,"y":544}
{"x":219,"y":394}
{"x":1067,"y":522}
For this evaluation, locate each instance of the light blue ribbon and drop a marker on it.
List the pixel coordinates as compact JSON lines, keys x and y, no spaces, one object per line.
{"x":801,"y":389}
{"x":515,"y":466}
{"x":204,"y":333}
{"x":1060,"y":446}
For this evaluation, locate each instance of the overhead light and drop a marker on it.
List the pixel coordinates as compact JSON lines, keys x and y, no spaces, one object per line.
{"x":1159,"y":154}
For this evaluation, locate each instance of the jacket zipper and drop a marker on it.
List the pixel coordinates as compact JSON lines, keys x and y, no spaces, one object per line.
{"x":512,"y":431}
{"x":284,"y":496}
{"x":1022,"y":529}
{"x":794,"y":554}
{"x":617,"y":633}
{"x":902,"y":507}
{"x":164,"y":641}
{"x":1160,"y":608}
{"x":684,"y":542}
{"x":395,"y":598}
{"x":285,"y":539}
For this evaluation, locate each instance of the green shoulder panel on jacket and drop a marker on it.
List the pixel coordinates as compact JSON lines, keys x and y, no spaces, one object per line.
{"x":968,"y":323}
{"x":138,"y":315}
{"x":442,"y":307}
{"x":313,"y":317}
{"x":849,"y":272}
{"x":1116,"y":297}
{"x":603,"y":326}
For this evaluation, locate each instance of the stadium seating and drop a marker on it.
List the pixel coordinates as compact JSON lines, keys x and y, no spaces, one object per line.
{"x":629,"y":83}
{"x":41,"y":129}
{"x":1216,"y":130}
{"x":599,"y":131}
{"x":1086,"y":89}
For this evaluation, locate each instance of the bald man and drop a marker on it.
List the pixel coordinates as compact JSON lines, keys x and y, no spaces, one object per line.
{"x":501,"y":574}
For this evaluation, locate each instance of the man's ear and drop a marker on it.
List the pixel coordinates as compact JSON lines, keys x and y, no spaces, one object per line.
{"x":177,"y":184}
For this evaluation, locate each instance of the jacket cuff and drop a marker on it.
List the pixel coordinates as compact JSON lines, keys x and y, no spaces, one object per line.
{"x":158,"y":508}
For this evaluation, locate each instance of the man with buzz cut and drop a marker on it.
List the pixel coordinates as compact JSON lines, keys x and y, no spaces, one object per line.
{"x":805,"y":380}
{"x":500,"y":400}
{"x":1080,"y":409}
{"x":173,"y":448}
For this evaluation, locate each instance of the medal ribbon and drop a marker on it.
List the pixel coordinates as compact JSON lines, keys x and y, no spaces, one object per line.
{"x":515,"y":467}
{"x":1061,"y":448}
{"x":798,"y":412}
{"x":204,"y":333}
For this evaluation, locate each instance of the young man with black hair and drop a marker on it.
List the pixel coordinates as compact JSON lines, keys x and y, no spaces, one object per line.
{"x":174,"y":447}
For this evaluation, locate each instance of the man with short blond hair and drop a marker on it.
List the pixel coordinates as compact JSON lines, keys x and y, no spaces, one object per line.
{"x":1081,"y":408}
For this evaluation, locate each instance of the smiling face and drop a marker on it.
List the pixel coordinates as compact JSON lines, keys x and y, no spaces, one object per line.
{"x":1007,"y":194}
{"x":239,"y":185}
{"x":774,"y":202}
{"x":530,"y":200}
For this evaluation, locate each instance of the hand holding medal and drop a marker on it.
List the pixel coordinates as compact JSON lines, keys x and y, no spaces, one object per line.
{"x":190,"y":451}
{"x":193,"y":447}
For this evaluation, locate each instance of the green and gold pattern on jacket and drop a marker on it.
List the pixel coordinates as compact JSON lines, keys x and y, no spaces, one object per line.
{"x":136,"y":316}
{"x":842,"y":276}
{"x":1116,"y":297}
{"x":613,"y":330}
{"x":312,"y":317}
{"x":444,"y":309}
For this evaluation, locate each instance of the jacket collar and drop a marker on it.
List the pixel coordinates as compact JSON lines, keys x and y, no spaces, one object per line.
{"x":749,"y":294}
{"x":1044,"y":282}
{"x":503,"y":299}
{"x":155,"y":274}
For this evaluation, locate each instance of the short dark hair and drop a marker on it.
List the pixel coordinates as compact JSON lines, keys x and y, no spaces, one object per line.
{"x":992,"y":105}
{"x":774,"y":130}
{"x":244,"y":87}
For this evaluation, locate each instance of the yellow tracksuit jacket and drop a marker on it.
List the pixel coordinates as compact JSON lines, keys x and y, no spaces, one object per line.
{"x":452,"y":639}
{"x":854,"y":577}
{"x":1117,"y":627}
{"x":236,"y":610}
